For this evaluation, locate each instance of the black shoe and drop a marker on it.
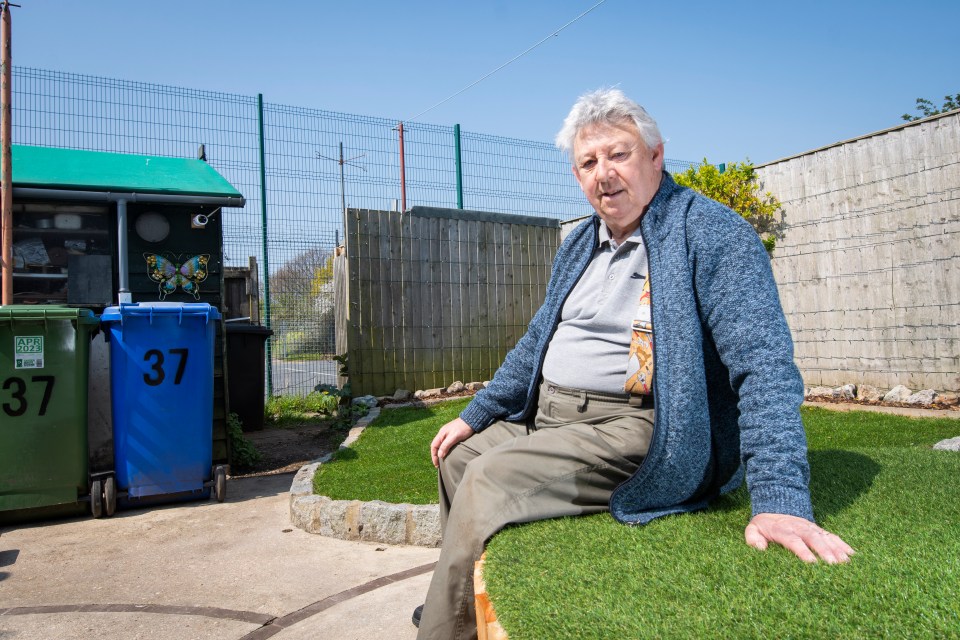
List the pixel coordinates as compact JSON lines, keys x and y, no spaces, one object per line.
{"x":417,"y":614}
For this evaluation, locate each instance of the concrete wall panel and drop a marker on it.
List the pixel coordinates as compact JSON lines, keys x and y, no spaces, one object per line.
{"x":868,"y":268}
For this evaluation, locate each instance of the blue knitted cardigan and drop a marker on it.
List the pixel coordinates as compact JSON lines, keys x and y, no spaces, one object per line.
{"x":726,"y":388}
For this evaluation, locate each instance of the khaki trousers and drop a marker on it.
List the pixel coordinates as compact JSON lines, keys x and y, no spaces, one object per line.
{"x":567,"y":462}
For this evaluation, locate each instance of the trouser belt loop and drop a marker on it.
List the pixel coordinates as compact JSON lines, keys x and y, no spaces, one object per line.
{"x":583,"y":402}
{"x":637,"y":400}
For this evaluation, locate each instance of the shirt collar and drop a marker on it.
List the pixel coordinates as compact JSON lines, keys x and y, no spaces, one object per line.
{"x":603,"y":236}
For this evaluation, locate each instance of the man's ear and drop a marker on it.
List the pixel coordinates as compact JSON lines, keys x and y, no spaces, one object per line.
{"x":658,"y":157}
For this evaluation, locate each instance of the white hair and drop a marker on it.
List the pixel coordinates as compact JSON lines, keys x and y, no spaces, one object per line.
{"x":607,"y":106}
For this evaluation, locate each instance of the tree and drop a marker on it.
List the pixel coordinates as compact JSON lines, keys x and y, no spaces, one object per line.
{"x":926,"y":108}
{"x":738,"y":187}
{"x":301,"y":304}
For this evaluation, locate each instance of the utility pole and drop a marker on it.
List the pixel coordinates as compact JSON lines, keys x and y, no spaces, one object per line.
{"x":343,"y":191}
{"x":6,"y":158}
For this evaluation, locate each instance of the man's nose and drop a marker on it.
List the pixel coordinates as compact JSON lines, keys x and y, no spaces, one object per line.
{"x":604,"y":168}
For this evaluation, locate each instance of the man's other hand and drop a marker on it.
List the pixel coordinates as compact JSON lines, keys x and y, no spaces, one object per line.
{"x":805,"y":539}
{"x":450,"y":434}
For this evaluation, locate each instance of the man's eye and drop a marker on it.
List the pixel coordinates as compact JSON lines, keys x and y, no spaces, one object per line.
{"x":587,"y":165}
{"x":619,"y":155}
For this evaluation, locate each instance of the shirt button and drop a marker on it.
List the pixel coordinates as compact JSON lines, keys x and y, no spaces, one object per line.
{"x":611,"y":276}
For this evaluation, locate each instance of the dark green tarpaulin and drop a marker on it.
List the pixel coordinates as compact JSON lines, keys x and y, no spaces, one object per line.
{"x":50,"y":168}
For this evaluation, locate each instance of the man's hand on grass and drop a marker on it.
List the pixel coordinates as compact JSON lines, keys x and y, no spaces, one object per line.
{"x":450,"y":434}
{"x":805,"y":539}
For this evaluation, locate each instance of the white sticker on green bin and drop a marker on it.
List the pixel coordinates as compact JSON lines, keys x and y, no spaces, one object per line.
{"x":28,"y":352}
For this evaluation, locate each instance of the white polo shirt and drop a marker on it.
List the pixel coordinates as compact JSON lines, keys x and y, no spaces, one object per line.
{"x":591,"y":346}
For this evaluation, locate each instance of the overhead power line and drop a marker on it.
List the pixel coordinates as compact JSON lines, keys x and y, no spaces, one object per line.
{"x":508,"y":62}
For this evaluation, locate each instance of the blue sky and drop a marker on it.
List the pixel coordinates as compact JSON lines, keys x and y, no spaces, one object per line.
{"x":725,"y":80}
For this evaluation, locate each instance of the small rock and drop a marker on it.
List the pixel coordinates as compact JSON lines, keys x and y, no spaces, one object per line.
{"x":868,"y":393}
{"x":486,"y":383}
{"x":847,"y":392}
{"x":923,"y":398}
{"x":474,"y":386}
{"x":428,"y":393}
{"x":820,"y":392}
{"x":456,"y":387}
{"x":370,"y":401}
{"x":898,"y":394}
{"x":953,"y":444}
{"x":948,"y":399}
{"x":401,"y":394}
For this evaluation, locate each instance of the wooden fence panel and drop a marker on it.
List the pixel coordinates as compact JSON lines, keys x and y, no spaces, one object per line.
{"x":437,"y":295}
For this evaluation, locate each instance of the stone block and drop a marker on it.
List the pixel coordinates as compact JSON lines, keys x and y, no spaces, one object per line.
{"x":423,"y":525}
{"x":868,"y":393}
{"x":923,"y":398}
{"x":898,"y":394}
{"x":340,"y":519}
{"x":456,"y":387}
{"x":401,"y":394}
{"x":383,"y":522}
{"x":305,"y":512}
{"x":952,"y":444}
{"x":820,"y":392}
{"x":474,"y":386}
{"x":949,"y":399}
{"x":847,"y":392}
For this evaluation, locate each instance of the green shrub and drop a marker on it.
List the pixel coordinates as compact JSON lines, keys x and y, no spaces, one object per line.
{"x":243,"y":453}
{"x":282,"y":411}
{"x":739,"y":188}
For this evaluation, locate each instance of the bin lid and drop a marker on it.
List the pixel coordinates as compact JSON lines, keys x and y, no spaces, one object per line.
{"x":246,"y":327}
{"x":113,"y":314}
{"x":46,"y":311}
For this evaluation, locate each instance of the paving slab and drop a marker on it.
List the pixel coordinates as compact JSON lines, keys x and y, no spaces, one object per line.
{"x":201,"y":570}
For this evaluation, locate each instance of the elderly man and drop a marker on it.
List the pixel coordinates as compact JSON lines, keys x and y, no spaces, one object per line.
{"x":658,"y":366}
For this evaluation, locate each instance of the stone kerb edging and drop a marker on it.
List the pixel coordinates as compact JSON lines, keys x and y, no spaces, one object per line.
{"x":375,"y":521}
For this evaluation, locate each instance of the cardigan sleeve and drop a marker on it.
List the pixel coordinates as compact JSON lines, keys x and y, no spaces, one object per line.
{"x":740,"y":308}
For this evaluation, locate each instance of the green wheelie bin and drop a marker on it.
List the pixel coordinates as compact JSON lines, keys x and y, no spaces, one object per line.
{"x":44,"y":462}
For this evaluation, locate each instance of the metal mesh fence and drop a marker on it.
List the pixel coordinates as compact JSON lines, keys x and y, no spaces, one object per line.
{"x":301,"y":179}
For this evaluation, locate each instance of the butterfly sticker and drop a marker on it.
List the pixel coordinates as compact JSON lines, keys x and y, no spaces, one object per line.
{"x":187,"y":275}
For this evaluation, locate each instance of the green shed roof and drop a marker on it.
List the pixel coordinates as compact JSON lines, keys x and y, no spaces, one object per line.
{"x":51,"y":168}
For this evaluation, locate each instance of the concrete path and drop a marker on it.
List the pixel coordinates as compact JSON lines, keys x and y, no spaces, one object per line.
{"x":236,"y":570}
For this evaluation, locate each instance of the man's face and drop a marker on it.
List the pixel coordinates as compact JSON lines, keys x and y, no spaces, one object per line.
{"x":617,"y":172}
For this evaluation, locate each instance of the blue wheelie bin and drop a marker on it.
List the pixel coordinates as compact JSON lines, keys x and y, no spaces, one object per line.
{"x":161,"y":382}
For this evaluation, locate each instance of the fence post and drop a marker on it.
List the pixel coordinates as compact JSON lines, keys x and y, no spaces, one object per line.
{"x":403,"y":174}
{"x":263,"y":235}
{"x":456,"y":141}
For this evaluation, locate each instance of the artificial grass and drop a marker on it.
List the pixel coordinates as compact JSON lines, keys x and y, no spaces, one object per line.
{"x":874,"y":480}
{"x":885,"y":492}
{"x":845,"y":429}
{"x":391,"y":460}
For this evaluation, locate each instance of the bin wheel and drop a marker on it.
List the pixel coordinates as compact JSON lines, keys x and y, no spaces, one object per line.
{"x":109,"y":496}
{"x":96,"y":498}
{"x":220,"y":483}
